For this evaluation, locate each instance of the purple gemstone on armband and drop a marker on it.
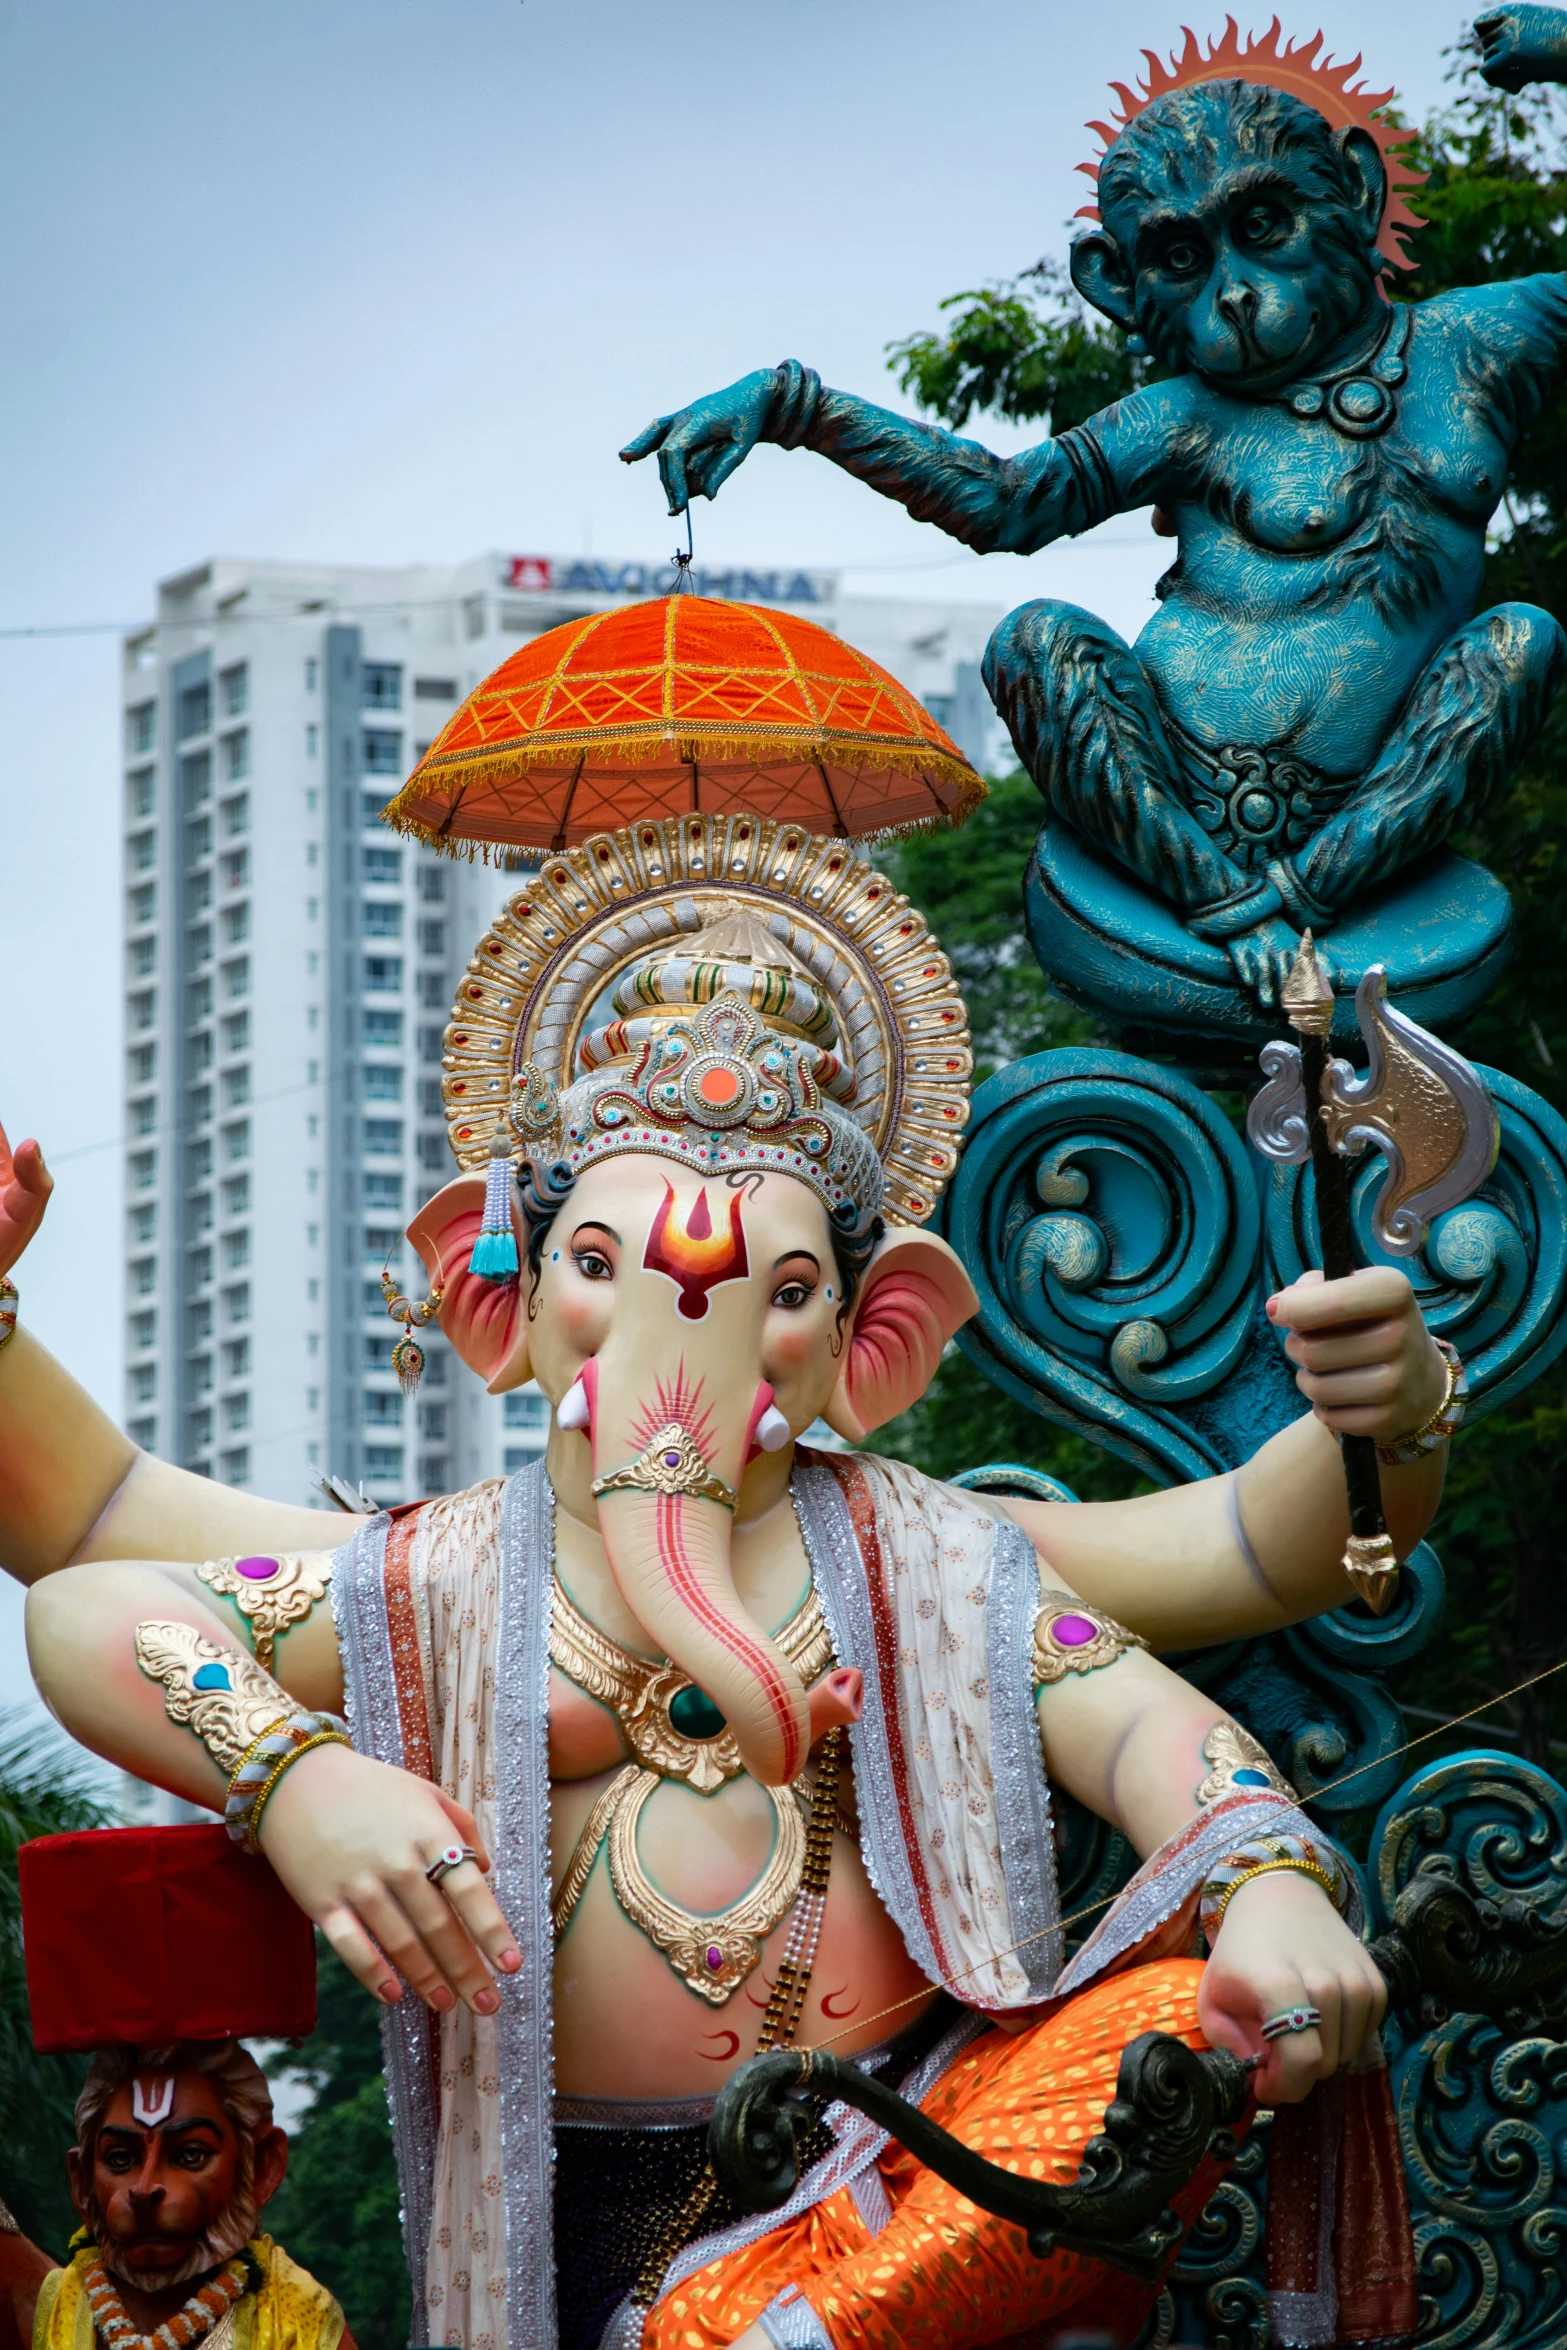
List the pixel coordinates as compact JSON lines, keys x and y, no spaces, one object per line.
{"x":671,"y":1460}
{"x":256,"y":1570}
{"x":715,"y":1957}
{"x":1072,"y":1631}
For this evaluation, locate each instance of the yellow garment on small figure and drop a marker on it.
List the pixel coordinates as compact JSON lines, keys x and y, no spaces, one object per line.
{"x":291,"y":2311}
{"x":943,"y":2275}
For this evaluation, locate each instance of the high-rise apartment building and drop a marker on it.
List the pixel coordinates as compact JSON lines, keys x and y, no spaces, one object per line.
{"x":290,"y":965}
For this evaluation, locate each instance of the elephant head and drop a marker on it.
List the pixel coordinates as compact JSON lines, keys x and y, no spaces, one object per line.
{"x":683,"y":1325}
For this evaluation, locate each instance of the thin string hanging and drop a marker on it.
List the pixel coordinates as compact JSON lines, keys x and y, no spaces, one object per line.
{"x":682,"y":562}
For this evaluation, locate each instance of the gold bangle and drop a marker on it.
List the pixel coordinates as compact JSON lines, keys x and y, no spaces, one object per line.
{"x":1269,"y":1868}
{"x":8,"y":1309}
{"x":265,"y":1791}
{"x":281,"y":1723}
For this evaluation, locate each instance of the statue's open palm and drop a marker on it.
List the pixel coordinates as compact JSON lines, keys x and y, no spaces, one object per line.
{"x":700,"y":446}
{"x":25,"y":1185}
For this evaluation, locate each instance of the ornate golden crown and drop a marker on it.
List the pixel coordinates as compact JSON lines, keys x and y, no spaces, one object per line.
{"x":727,"y":992}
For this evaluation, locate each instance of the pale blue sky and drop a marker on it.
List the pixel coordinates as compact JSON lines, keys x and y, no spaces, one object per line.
{"x":383,"y":280}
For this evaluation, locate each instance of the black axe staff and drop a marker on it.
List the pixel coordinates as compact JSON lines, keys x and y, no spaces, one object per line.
{"x":1422,"y":1105}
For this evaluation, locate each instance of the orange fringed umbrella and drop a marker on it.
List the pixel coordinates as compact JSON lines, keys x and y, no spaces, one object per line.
{"x":684,"y":705}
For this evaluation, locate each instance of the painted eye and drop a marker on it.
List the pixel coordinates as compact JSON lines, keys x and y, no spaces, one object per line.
{"x":1181,"y":259}
{"x":592,"y":1265}
{"x":792,"y":1296}
{"x":1257,"y":225}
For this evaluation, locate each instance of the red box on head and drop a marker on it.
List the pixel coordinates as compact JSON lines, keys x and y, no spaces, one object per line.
{"x":135,"y":1935}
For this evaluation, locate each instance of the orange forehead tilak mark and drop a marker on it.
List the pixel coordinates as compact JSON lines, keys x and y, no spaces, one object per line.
{"x":688,"y":1251}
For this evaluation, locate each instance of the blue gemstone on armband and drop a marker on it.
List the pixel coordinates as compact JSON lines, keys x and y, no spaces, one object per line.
{"x":1252,"y":1779}
{"x":212,"y":1676}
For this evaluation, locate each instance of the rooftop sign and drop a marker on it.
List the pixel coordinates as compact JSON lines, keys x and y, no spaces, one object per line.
{"x":579,"y":575}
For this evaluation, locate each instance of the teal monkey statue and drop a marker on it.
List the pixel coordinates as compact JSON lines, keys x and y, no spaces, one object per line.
{"x":1317,"y":707}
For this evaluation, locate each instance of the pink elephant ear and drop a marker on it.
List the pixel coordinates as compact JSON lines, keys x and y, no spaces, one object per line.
{"x":486,"y":1321}
{"x":914,"y":1295}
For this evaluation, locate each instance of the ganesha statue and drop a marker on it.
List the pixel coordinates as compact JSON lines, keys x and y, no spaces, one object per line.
{"x":697,"y":1738}
{"x":1317,"y":708}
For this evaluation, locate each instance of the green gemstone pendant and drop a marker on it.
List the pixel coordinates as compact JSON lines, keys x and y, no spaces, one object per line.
{"x":693,"y":1713}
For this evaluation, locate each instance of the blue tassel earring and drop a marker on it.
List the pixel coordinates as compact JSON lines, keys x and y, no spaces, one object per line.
{"x":495,"y":1251}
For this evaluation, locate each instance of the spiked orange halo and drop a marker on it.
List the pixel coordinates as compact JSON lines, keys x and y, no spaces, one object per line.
{"x":1298,"y":68}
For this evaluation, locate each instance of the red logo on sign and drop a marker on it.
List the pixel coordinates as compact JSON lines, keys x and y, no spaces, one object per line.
{"x":530,"y":571}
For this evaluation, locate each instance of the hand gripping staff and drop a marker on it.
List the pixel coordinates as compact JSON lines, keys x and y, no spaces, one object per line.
{"x":1427,"y":1110}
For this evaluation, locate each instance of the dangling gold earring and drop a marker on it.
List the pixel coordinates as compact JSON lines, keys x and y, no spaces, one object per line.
{"x":408,"y":1354}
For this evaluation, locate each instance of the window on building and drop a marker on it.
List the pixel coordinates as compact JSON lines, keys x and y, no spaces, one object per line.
{"x":201,"y":1213}
{"x":236,"y":1358}
{"x":195,"y":780}
{"x":430,"y":1103}
{"x":236,"y":754}
{"x":526,"y":1408}
{"x":372,"y":804}
{"x":381,"y":685}
{"x":198,"y":1105}
{"x":195,"y":710}
{"x":198,"y":1267}
{"x":434,"y":1472}
{"x":312,"y":747}
{"x":198,"y":893}
{"x":384,"y":865}
{"x":142,"y":1225}
{"x":141,"y":727}
{"x":381,"y":751}
{"x":144,"y":1114}
{"x":236,"y":1302}
{"x":236,"y":1195}
{"x":235,"y":1465}
{"x":384,"y":1461}
{"x":432,"y":1152}
{"x":198,"y":1323}
{"x":198,"y":1428}
{"x":433,"y":1417}
{"x":236,"y":1251}
{"x":236,"y":925}
{"x":384,"y":1028}
{"x":198,"y":945}
{"x":384,"y":1192}
{"x":384,"y":1136}
{"x":383,"y":1408}
{"x":434,"y":1363}
{"x":382,"y":918}
{"x":236,"y":869}
{"x":236,"y":1032}
{"x":382,"y":1241}
{"x":198,"y":1001}
{"x":432,"y":939}
{"x":432,"y":989}
{"x":198,"y":1161}
{"x":435,"y":689}
{"x":142,"y":851}
{"x":144,"y":1382}
{"x":432,"y":885}
{"x":143,"y":1433}
{"x":143,"y":1170}
{"x":236,"y":815}
{"x":312,"y":671}
{"x":142,"y":957}
{"x":431,"y":1044}
{"x":142,"y":1063}
{"x":378,"y":1353}
{"x":383,"y":1082}
{"x":142,"y":903}
{"x":236,"y":976}
{"x":373,"y":1302}
{"x":198,"y":840}
{"x":234,"y":689}
{"x":144,"y":1276}
{"x":140,"y":1008}
{"x":236,"y":1088}
{"x":144,"y":1329}
{"x":139,"y":793}
{"x":236,"y":1139}
{"x":236,"y":1413}
{"x":383,"y":974}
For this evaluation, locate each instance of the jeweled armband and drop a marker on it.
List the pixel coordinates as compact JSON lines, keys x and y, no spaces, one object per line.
{"x":1072,"y":1637}
{"x":1239,"y":1766}
{"x":1444,"y":1421}
{"x":252,"y":1729}
{"x":271,"y":1593}
{"x":1266,"y":1856}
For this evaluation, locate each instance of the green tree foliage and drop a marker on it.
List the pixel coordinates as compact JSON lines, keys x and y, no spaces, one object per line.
{"x":1495,"y":207}
{"x":337,"y":2210}
{"x":43,"y":1792}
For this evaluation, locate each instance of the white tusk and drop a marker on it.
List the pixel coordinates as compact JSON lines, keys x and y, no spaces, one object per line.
{"x":772,"y":1430}
{"x":572,"y":1411}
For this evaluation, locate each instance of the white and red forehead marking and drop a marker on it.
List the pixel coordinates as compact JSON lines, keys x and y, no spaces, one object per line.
{"x":152,"y":2101}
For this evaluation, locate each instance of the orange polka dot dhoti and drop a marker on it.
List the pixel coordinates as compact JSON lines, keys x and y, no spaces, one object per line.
{"x":942,"y":2274}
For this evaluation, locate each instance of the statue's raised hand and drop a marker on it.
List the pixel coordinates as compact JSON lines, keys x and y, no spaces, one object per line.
{"x":700,"y":446}
{"x":1522,"y":45}
{"x":25,"y":1185}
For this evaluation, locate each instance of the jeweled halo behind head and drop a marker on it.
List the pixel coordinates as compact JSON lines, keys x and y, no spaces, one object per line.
{"x":728,"y":992}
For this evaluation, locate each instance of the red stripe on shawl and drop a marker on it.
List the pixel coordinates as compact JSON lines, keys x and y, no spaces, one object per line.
{"x":862,"y":1516}
{"x":407,"y":1663}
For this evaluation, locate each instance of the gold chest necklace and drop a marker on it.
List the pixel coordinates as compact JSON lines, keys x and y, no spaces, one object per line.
{"x":676,"y":1732}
